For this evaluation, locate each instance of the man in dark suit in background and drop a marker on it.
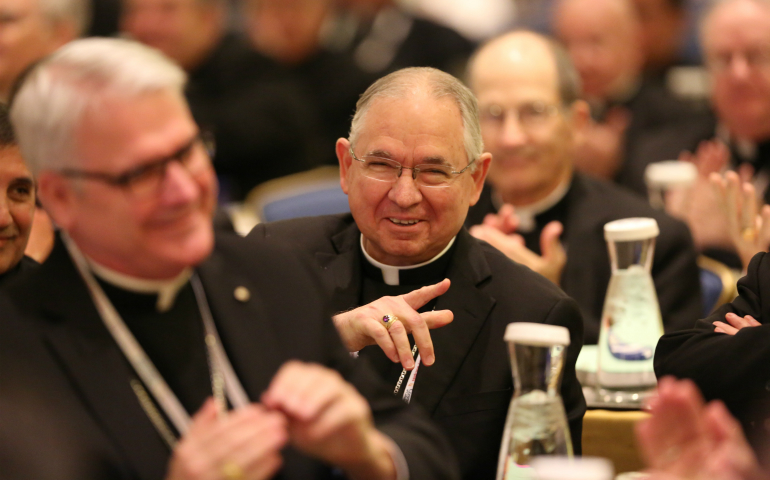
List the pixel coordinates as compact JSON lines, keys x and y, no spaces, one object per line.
{"x":638,"y":120}
{"x":254,"y":109}
{"x":531,"y":119}
{"x":141,"y":315}
{"x":411,"y":167}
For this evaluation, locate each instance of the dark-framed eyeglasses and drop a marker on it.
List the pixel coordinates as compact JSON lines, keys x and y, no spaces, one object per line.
{"x":428,"y":175}
{"x":530,"y":114}
{"x":146,"y":179}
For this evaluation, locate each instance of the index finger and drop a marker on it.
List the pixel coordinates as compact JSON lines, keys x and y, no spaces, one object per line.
{"x":421,"y":296}
{"x":421,"y":332}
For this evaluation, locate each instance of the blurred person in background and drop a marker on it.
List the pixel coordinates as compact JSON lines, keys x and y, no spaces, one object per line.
{"x":663,"y":26}
{"x":17,"y":204}
{"x":536,"y":208}
{"x":337,"y":48}
{"x":290,"y":32}
{"x":248,"y":102}
{"x":636,"y":121}
{"x":735,"y":38}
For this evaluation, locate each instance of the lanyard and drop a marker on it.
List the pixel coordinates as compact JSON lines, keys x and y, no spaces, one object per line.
{"x":223,"y":378}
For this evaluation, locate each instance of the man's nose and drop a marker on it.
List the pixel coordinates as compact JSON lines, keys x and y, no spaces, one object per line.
{"x":512,"y":134}
{"x":405,"y":192}
{"x":5,"y":213}
{"x":179,"y":185}
{"x":739,"y":67}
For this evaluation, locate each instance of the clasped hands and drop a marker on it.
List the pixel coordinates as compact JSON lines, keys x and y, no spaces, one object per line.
{"x":308,"y":406}
{"x":499,"y":230}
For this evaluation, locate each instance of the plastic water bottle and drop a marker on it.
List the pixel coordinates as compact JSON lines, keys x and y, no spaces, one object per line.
{"x":536,"y":423}
{"x":631,"y":323}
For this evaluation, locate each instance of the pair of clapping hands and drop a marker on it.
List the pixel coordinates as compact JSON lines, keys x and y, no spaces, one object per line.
{"x":722,"y":209}
{"x":687,"y":439}
{"x":308,"y":406}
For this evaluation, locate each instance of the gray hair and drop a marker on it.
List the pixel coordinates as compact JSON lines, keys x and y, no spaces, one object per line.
{"x":53,"y":98}
{"x":78,"y":12}
{"x":438,"y":84}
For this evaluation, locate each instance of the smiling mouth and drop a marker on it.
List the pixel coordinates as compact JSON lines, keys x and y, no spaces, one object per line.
{"x":403,"y":222}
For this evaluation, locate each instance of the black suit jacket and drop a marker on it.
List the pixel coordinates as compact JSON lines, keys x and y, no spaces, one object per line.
{"x":468,"y":390}
{"x":731,"y":368}
{"x":71,"y":360}
{"x":591,"y":203}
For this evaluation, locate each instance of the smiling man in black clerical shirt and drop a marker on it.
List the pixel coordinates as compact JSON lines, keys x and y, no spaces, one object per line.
{"x":413,"y":164}
{"x":167,"y":351}
{"x":17,"y":204}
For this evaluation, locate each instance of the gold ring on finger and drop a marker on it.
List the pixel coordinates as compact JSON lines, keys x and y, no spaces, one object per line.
{"x":388,"y":320}
{"x":231,"y":471}
{"x":749,"y":234}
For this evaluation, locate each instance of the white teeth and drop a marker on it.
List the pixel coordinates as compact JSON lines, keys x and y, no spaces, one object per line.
{"x":403,"y":222}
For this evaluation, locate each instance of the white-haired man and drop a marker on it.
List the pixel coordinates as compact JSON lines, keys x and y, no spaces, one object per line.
{"x":146,"y":315}
{"x":413,"y":164}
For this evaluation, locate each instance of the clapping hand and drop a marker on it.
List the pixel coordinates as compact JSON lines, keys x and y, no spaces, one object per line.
{"x":498,"y":230}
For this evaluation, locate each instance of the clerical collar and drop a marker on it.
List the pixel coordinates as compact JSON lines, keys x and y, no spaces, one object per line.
{"x":166,"y":290}
{"x":527,"y":213}
{"x":391,"y":275}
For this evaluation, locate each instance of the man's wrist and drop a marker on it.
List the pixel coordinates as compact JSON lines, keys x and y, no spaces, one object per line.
{"x":380,"y":461}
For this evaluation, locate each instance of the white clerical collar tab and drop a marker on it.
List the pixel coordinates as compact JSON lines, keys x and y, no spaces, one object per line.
{"x":527,"y":213}
{"x":166,"y":290}
{"x":390,"y":273}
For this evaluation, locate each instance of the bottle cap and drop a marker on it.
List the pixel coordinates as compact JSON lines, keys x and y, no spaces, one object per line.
{"x":536,"y":334}
{"x":670,"y":174}
{"x":631,"y":229}
{"x":548,"y":467}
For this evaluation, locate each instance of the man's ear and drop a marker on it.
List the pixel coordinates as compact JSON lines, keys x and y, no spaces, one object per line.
{"x":345,"y":160}
{"x":57,"y":197}
{"x":479,"y":175}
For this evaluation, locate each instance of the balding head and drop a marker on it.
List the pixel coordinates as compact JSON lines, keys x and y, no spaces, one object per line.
{"x":735,"y":35}
{"x":529,"y":116}
{"x":603,"y":38}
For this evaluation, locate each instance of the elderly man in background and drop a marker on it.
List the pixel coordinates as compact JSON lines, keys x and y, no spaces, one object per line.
{"x":531,"y":121}
{"x":17,"y":204}
{"x":735,"y":39}
{"x":637,"y":120}
{"x":411,"y":167}
{"x":255,"y":111}
{"x":34,"y":28}
{"x":145,"y":315}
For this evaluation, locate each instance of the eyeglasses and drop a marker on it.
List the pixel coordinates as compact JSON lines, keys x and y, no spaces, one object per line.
{"x":755,"y":59}
{"x":530,"y":115}
{"x":387,"y":170}
{"x":146,"y":180}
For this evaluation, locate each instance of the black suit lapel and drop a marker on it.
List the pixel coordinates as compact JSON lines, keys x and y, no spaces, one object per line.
{"x":341,"y":269}
{"x":250,"y":342}
{"x":95,"y":366}
{"x":471,"y":307}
